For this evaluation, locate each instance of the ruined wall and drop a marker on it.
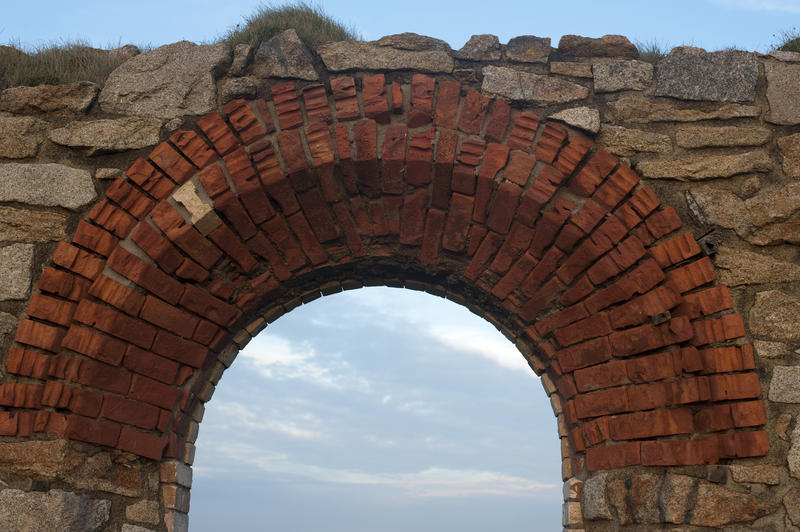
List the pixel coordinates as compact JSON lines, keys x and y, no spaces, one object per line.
{"x":632,"y":228}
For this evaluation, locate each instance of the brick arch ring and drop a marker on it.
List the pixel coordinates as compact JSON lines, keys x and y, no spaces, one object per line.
{"x":272,"y":203}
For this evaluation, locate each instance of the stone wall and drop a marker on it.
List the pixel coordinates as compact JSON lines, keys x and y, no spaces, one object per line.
{"x":632,"y":228}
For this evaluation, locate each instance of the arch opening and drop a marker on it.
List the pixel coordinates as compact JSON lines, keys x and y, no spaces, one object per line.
{"x":388,"y":407}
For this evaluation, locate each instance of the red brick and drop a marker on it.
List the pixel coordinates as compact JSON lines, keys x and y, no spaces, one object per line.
{"x":651,"y":368}
{"x":168,"y":317}
{"x":523,"y":132}
{"x":185,"y":236}
{"x":616,"y":186}
{"x":561,"y":318}
{"x":278,"y":232}
{"x":663,"y":222}
{"x":434,"y":227}
{"x":181,"y":350}
{"x":627,"y":253}
{"x":640,"y":280}
{"x":146,"y":363}
{"x":641,"y":425}
{"x":706,"y":302}
{"x":27,"y":363}
{"x":189,"y":270}
{"x":748,"y":414}
{"x":585,"y":354}
{"x":172,"y":163}
{"x":308,"y":242}
{"x":679,"y":452}
{"x":596,"y":430}
{"x":421,"y":100}
{"x":117,"y":221}
{"x":447,"y":99}
{"x":543,"y":297}
{"x":103,"y":376}
{"x":194,"y":148}
{"x":519,"y":168}
{"x":233,"y":247}
{"x":517,"y":241}
{"x":580,"y":289}
{"x":642,"y":308}
{"x":420,"y":159}
{"x":601,"y":376}
{"x":714,"y":330}
{"x":593,"y":173}
{"x":585,"y":329}
{"x":473,"y":112}
{"x":458,"y":220}
{"x":393,"y":159}
{"x":349,"y":229}
{"x":412,"y":224}
{"x":115,"y":323}
{"x":514,"y":277}
{"x":446,"y":145}
{"x":548,"y":226}
{"x":204,"y":304}
{"x":397,"y":98}
{"x":344,"y":95}
{"x":542,"y":271}
{"x":294,"y":158}
{"x":142,"y":443}
{"x":150,"y":179}
{"x":217,"y":131}
{"x":62,"y":284}
{"x":92,"y":430}
{"x":736,"y":386}
{"x":78,"y":261}
{"x":275,"y":182}
{"x":613,"y":456}
{"x":713,"y":419}
{"x":287,"y":105}
{"x":94,"y":345}
{"x":39,"y":335}
{"x":552,"y":138}
{"x":504,"y":206}
{"x":153,"y":392}
{"x":244,"y":121}
{"x":117,"y":294}
{"x":647,"y":337}
{"x":365,"y":137}
{"x":499,"y":118}
{"x":248,"y":187}
{"x":129,"y":412}
{"x":750,"y":444}
{"x":572,"y":154}
{"x":51,"y":309}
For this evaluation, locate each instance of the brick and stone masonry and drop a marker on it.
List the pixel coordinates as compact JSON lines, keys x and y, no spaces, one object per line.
{"x":632,"y":230}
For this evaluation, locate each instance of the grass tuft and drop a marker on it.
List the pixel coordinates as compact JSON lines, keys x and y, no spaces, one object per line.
{"x":56,"y":63}
{"x":313,"y":25}
{"x":787,"y":41}
{"x":651,"y":51}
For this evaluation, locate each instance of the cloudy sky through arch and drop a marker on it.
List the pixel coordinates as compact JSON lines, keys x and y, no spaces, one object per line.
{"x":379,"y":405}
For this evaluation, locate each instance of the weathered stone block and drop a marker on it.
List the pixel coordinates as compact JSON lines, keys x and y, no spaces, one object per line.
{"x":16,"y":262}
{"x":284,"y":56}
{"x":620,"y":75}
{"x":523,"y":86}
{"x":626,"y":142}
{"x":644,"y":110}
{"x":697,"y":167}
{"x":716,"y":505}
{"x":108,"y":135}
{"x":694,"y":74}
{"x":31,"y":226}
{"x":585,"y":118}
{"x":701,"y":136}
{"x":789,"y":147}
{"x":61,"y":99}
{"x":605,"y":46}
{"x":571,"y":68}
{"x":783,"y":93}
{"x":20,"y":136}
{"x":738,"y":267}
{"x":396,"y":52}
{"x":47,"y":184}
{"x":168,"y":82}
{"x":52,"y":511}
{"x":783,"y":386}
{"x":774,"y":315}
{"x":758,"y":474}
{"x":480,"y":48}
{"x":528,"y":49}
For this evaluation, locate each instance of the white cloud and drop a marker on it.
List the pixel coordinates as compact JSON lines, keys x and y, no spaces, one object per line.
{"x":489,"y":344}
{"x":443,"y":321}
{"x":429,"y":482}
{"x":418,"y":408}
{"x":238,"y":416}
{"x":783,"y":6}
{"x":277,"y":358}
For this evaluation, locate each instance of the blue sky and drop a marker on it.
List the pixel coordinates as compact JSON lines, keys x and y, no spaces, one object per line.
{"x":384,"y":409}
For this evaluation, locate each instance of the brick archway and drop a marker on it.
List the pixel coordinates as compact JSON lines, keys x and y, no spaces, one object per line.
{"x":268,"y":204}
